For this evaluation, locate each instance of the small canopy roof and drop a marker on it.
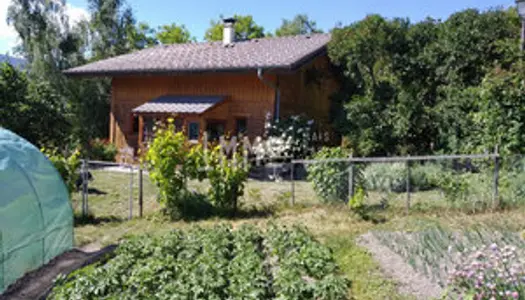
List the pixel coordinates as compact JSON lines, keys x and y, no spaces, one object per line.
{"x":179,"y":104}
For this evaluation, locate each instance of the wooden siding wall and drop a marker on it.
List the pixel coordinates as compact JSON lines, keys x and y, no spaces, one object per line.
{"x":246,"y":96}
{"x":300,"y":94}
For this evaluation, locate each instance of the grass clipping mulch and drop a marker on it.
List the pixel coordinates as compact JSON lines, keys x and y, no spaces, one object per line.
{"x":393,"y":265}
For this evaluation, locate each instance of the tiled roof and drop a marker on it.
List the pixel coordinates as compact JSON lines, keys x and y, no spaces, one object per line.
{"x":278,"y":52}
{"x":179,"y":104}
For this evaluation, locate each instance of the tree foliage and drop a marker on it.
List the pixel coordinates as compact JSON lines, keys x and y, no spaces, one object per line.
{"x":52,"y":107}
{"x":32,"y":109}
{"x":245,"y":28}
{"x":429,"y":86}
{"x":300,"y":24}
{"x":174,"y":34}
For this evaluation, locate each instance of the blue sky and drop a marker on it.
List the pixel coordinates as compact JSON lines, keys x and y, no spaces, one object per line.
{"x":196,"y":14}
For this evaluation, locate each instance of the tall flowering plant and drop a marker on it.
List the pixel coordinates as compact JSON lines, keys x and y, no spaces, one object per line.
{"x":291,"y":136}
{"x":492,"y":272}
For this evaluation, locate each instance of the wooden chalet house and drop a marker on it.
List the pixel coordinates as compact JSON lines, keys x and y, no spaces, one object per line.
{"x":219,"y":87}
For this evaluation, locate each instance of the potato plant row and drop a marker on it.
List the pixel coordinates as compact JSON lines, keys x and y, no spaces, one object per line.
{"x":218,"y":263}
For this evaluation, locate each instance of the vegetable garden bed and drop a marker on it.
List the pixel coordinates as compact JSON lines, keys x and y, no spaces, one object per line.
{"x":218,"y":263}
{"x":427,"y":263}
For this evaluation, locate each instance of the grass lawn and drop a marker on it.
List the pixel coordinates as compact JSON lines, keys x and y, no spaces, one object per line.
{"x":334,"y":225}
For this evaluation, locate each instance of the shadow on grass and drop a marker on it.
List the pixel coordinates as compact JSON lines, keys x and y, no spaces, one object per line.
{"x":197,"y":207}
{"x":95,"y":191}
{"x":90,"y":219}
{"x":372,"y":213}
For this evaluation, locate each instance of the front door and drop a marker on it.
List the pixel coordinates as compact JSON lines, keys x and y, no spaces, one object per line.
{"x":215,"y":129}
{"x":147,"y":130}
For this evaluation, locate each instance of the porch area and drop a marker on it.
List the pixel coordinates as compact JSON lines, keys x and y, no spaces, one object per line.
{"x":192,"y":115}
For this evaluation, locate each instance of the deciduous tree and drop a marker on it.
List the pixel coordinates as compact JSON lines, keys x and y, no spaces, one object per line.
{"x":300,"y":24}
{"x":174,"y":34}
{"x":245,"y":28}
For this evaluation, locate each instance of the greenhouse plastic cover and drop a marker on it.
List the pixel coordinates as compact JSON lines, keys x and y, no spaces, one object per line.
{"x":36,"y":219}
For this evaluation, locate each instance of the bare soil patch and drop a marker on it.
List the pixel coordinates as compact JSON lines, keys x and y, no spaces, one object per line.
{"x":38,"y":283}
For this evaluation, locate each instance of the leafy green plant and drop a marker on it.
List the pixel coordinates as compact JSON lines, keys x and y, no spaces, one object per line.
{"x":305,"y":267}
{"x":357,"y":202}
{"x":215,"y":263}
{"x":227,"y":178}
{"x":102,"y":150}
{"x":67,"y":165}
{"x":512,"y":189}
{"x":330,"y":179}
{"x":392,"y":177}
{"x":172,"y":161}
{"x":470,"y":191}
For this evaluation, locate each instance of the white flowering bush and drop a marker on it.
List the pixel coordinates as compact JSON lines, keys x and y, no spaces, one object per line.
{"x":492,"y":272}
{"x":291,"y":136}
{"x":272,"y":148}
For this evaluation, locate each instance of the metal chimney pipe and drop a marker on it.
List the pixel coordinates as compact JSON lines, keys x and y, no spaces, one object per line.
{"x":228,"y":35}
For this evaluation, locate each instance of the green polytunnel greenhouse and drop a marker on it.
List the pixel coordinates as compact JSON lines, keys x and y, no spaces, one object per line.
{"x":36,"y":219}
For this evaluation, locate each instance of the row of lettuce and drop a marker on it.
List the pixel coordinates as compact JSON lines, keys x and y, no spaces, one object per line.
{"x":218,"y":263}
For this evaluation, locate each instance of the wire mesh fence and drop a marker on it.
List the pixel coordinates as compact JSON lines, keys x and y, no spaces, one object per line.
{"x":469,"y":183}
{"x":108,"y":190}
{"x":466,"y":182}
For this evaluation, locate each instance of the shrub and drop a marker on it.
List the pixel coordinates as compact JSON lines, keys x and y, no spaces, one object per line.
{"x":492,"y":272}
{"x":227,"y":178}
{"x":512,"y":189}
{"x":467,"y":190}
{"x":272,"y":148}
{"x":385,"y":177}
{"x":67,"y":165}
{"x":172,"y":161}
{"x":102,"y":150}
{"x":330,"y":179}
{"x":294,"y":133}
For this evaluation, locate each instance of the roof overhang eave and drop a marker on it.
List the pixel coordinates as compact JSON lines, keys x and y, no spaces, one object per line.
{"x":115,"y":73}
{"x":269,"y":69}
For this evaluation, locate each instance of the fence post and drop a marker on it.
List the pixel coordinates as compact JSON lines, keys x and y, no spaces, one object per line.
{"x":292,"y":178}
{"x":495,"y":196}
{"x":130,"y":191}
{"x":141,"y":194}
{"x":351,"y":189}
{"x":408,"y":187}
{"x":83,"y":175}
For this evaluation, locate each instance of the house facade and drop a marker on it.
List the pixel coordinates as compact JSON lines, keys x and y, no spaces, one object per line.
{"x":227,"y":87}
